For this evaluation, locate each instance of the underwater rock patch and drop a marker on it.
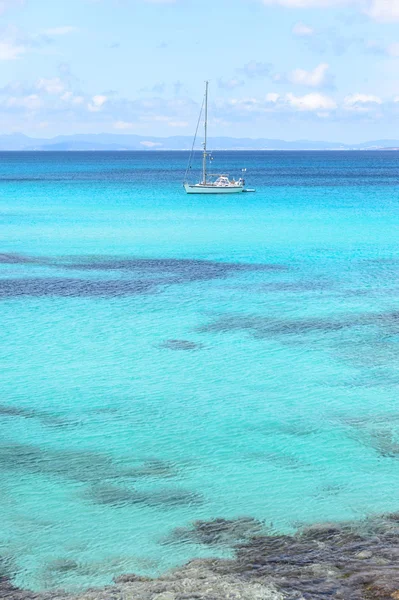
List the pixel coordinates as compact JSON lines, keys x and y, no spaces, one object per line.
{"x":51,"y":286}
{"x":63,"y":565}
{"x":180,"y":345}
{"x":7,"y":567}
{"x":378,"y":434}
{"x":154,"y":467}
{"x":121,"y":496}
{"x":82,"y":466}
{"x":280,"y":460}
{"x":263,"y":327}
{"x":295,"y":428}
{"x":217,"y":532}
{"x":376,"y":377}
{"x":113,"y":495}
{"x":7,"y":410}
{"x":385,"y":443}
{"x":297,"y":286}
{"x":346,"y":561}
{"x":183,"y":269}
{"x":16,"y":259}
{"x":75,"y":465}
{"x":20,"y":456}
{"x":170,"y":497}
{"x":146,"y":275}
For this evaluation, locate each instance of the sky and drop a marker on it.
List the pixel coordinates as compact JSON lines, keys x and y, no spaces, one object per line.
{"x":286,"y":69}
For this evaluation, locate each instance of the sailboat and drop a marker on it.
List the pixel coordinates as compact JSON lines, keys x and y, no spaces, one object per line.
{"x":211,"y":183}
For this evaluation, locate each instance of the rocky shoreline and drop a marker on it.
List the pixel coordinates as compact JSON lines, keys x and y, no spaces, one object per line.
{"x":347,"y":561}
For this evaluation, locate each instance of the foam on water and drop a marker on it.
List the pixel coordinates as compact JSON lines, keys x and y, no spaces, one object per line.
{"x":170,"y":358}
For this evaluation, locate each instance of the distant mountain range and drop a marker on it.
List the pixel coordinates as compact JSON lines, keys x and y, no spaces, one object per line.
{"x":115,"y":141}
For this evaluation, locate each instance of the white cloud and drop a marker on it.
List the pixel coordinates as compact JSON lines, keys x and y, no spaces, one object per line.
{"x":151,"y":117}
{"x":361,"y":103}
{"x":379,"y":48}
{"x":353,"y":99}
{"x":246,"y":105}
{"x":302,"y":30}
{"x":97,"y":102}
{"x":177,"y":123}
{"x":62,"y":30}
{"x":5,"y":4}
{"x":71,"y":98}
{"x":311,"y":102}
{"x":51,"y":86}
{"x":383,"y":10}
{"x":151,"y":144}
{"x":157,"y":88}
{"x":14,"y":42}
{"x":319,"y":77}
{"x":256,"y":69}
{"x":379,"y":10}
{"x":10,"y":50}
{"x":230,"y":84}
{"x":32,"y":102}
{"x":123,"y":125}
{"x":309,"y":3}
{"x":272,"y":97}
{"x":252,"y":108}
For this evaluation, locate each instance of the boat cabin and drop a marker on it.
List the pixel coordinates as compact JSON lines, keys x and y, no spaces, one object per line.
{"x":223,"y":180}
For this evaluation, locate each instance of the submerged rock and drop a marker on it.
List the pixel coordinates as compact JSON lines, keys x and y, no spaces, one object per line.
{"x":7,"y":410}
{"x":180,"y":345}
{"x":63,"y":565}
{"x":122,"y":496}
{"x":218,"y":532}
{"x":348,"y":561}
{"x":9,"y":592}
{"x":151,"y":468}
{"x":16,"y":259}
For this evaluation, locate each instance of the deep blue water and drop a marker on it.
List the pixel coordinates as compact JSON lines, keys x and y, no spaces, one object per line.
{"x":169,"y":357}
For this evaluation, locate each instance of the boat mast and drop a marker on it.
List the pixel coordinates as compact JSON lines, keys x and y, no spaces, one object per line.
{"x":205,"y":128}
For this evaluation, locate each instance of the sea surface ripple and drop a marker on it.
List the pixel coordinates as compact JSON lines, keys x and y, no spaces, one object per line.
{"x":168,"y":358}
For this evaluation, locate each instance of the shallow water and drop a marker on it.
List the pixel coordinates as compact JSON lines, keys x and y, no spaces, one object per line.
{"x":167,"y":358}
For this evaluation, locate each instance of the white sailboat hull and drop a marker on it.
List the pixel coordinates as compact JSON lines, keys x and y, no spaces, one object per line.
{"x":212,"y":189}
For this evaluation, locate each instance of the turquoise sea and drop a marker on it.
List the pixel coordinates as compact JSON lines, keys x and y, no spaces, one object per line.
{"x":168,"y":357}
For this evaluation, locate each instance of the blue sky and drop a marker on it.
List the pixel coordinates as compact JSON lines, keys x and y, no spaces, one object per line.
{"x":288,"y":69}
